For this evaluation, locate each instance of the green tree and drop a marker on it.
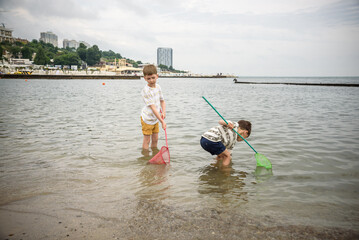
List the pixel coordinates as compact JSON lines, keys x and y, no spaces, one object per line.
{"x":93,"y":55}
{"x":82,"y":52}
{"x":41,"y":58}
{"x":111,"y":54}
{"x":70,"y":58}
{"x":19,"y":44}
{"x":27,"y":52}
{"x":1,"y":52}
{"x":15,"y":51}
{"x":163,"y":67}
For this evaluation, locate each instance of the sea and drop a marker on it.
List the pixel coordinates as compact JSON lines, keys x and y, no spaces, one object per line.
{"x":70,"y":153}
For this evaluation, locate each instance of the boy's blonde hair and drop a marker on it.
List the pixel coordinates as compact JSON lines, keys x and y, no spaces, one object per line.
{"x":149,"y":70}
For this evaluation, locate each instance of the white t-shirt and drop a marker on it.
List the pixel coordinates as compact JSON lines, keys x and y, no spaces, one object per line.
{"x":222,"y":134}
{"x":151,"y":96}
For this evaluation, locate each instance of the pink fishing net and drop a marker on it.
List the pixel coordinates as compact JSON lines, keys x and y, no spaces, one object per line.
{"x":162,"y":157}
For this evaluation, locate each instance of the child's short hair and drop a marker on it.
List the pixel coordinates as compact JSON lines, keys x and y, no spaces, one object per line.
{"x":149,"y":70}
{"x":245,"y":125}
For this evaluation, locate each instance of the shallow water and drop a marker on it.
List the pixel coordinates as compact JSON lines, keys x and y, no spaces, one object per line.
{"x":76,"y":145}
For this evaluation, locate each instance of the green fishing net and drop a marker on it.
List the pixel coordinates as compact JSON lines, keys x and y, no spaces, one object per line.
{"x":262,"y":161}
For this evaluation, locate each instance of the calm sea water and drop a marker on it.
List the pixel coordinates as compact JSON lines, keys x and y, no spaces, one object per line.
{"x":76,"y":144}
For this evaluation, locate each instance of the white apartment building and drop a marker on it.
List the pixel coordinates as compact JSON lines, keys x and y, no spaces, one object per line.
{"x":165,"y":57}
{"x":74,"y":44}
{"x":70,"y":43}
{"x":5,"y":34}
{"x":49,"y":37}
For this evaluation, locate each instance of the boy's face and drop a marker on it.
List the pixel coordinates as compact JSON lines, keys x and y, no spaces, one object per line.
{"x":151,"y":79}
{"x":243,"y":133}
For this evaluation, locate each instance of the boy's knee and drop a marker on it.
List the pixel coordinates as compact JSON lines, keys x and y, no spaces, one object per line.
{"x":225,"y":154}
{"x":146,"y":138}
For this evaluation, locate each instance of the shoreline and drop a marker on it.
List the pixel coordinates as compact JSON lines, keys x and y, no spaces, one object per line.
{"x":43,"y":76}
{"x":96,"y":76}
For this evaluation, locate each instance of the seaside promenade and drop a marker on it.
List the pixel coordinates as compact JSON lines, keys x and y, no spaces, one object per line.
{"x":100,"y":76}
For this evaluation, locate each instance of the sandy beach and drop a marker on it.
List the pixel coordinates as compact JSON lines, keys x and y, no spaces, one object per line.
{"x":144,"y":219}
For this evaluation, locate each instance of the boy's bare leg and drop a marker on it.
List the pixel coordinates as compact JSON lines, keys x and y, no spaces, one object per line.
{"x":154,"y":140}
{"x":226,"y":156}
{"x":146,"y":141}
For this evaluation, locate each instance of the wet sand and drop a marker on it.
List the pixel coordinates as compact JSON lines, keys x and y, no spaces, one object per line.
{"x":143,"y":219}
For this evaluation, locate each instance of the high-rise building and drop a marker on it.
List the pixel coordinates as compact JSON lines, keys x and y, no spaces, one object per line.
{"x":49,"y":37}
{"x":165,"y":57}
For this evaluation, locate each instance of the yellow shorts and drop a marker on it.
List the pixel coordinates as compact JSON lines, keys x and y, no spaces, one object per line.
{"x":148,"y":129}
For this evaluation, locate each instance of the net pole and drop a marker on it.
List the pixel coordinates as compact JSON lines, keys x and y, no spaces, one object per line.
{"x":166,"y":138}
{"x":227,"y":123}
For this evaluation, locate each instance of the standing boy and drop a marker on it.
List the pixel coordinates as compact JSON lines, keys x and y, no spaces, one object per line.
{"x":220,"y":140}
{"x":154,"y":101}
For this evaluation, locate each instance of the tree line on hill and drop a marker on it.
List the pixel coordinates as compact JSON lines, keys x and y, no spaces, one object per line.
{"x":48,"y":54}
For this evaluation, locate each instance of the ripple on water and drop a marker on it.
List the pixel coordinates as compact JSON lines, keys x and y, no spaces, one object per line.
{"x":81,"y":141}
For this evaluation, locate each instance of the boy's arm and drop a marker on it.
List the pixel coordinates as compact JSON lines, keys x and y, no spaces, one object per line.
{"x":229,"y":125}
{"x":158,"y":116}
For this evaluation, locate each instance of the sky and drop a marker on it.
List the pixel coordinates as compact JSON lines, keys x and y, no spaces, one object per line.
{"x":240,"y":37}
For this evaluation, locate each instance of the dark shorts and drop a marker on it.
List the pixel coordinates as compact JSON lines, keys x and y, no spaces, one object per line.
{"x":214,"y":148}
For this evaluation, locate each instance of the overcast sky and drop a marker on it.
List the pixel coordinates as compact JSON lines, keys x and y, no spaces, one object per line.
{"x":242,"y":37}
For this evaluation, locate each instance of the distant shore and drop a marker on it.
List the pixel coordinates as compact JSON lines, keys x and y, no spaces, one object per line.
{"x":303,"y":84}
{"x":198,"y":76}
{"x":98,"y":76}
{"x":67,"y":76}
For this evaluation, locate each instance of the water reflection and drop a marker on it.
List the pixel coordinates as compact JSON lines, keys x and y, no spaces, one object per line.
{"x":153,"y":178}
{"x":148,"y":154}
{"x":224,"y":183}
{"x":262,"y":174}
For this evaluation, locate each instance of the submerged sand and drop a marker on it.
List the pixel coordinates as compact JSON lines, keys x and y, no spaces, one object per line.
{"x":145,"y":219}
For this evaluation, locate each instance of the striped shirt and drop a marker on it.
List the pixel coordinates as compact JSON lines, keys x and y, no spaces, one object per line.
{"x":151,"y":96}
{"x":222,"y":134}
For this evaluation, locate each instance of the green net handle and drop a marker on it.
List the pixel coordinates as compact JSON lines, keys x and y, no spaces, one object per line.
{"x":227,"y":123}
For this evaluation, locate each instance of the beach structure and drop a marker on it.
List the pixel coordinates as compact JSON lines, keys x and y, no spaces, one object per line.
{"x":119,"y":66}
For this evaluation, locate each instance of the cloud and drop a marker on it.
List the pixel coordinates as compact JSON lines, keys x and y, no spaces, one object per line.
{"x":234,"y":36}
{"x":42,"y":10}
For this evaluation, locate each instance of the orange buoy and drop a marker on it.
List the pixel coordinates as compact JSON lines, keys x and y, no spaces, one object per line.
{"x":103,"y":83}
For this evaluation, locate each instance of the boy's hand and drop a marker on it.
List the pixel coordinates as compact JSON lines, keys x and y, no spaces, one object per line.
{"x":230,"y":125}
{"x":163,"y":115}
{"x":164,"y":125}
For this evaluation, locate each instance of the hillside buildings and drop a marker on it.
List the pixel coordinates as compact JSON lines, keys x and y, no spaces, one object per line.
{"x":49,"y":37}
{"x":5,"y":34}
{"x":165,"y":57}
{"x":70,"y":43}
{"x":74,"y":44}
